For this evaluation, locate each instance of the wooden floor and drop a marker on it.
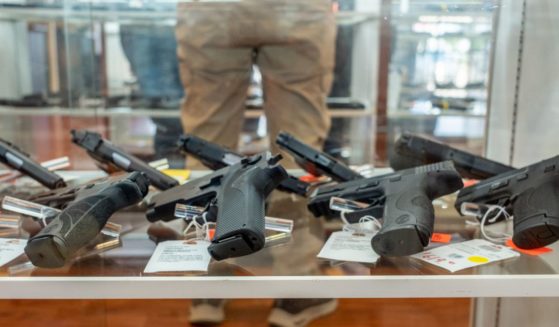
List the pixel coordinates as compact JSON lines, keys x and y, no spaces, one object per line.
{"x":171,"y":313}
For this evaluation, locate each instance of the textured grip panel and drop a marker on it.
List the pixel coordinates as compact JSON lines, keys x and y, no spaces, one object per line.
{"x":237,"y":211}
{"x":435,"y":167}
{"x":240,"y":224}
{"x":81,"y":221}
{"x":408,"y":224}
{"x":536,"y":216}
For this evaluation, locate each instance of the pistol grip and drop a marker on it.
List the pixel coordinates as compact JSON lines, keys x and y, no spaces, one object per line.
{"x":240,"y":224}
{"x":80,"y":223}
{"x":536,"y":216}
{"x":241,"y":216}
{"x":408,"y":224}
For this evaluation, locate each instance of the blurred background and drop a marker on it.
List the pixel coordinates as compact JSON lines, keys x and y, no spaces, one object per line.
{"x":401,"y":65}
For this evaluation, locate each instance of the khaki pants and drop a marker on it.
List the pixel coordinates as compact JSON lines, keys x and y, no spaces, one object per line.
{"x":292,"y":42}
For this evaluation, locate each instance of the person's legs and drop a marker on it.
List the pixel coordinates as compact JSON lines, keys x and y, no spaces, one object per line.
{"x":170,"y":92}
{"x":164,"y":46}
{"x":152,"y":54}
{"x":297,"y":65}
{"x":297,"y":74}
{"x":215,"y":74}
{"x":296,"y":56}
{"x":138,"y":48}
{"x":167,"y":133}
{"x":215,"y":71}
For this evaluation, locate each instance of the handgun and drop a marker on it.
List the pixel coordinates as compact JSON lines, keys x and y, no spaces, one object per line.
{"x":104,"y":151}
{"x":412,"y":150}
{"x":233,"y":197}
{"x":12,"y":156}
{"x":315,"y":162}
{"x":403,"y":199}
{"x":530,"y":194}
{"x":62,"y":197}
{"x":216,"y":157}
{"x":82,"y":219}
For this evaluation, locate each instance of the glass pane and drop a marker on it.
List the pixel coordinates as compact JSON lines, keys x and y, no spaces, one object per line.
{"x":438,"y":77}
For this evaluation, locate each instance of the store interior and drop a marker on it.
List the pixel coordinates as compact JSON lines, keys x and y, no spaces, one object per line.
{"x":77,"y":68}
{"x":476,"y":75}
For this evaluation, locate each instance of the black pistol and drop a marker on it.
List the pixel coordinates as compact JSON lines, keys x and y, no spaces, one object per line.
{"x":403,"y":199}
{"x":82,"y":219}
{"x":21,"y":161}
{"x":234,"y":197}
{"x":105,"y":152}
{"x":413,"y":150}
{"x":530,"y":194}
{"x":316,"y":162}
{"x":216,"y":157}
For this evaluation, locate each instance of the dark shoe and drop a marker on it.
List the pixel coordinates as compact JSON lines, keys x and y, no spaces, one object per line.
{"x":207,"y":312}
{"x":300,"y":312}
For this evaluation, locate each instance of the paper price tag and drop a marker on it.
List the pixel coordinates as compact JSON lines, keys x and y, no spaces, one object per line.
{"x":349,"y":246}
{"x":177,"y":256}
{"x":458,"y":256}
{"x":10,"y":248}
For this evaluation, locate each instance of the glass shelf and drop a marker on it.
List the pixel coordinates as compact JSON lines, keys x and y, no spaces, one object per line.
{"x":139,"y":112}
{"x":118,"y":273}
{"x":86,"y":15}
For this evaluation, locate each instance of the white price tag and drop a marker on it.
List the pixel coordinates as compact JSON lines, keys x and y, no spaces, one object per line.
{"x":177,"y":256}
{"x":349,"y":246}
{"x":467,"y":254}
{"x":10,"y":248}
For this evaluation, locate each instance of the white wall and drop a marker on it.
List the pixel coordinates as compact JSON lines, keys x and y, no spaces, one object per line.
{"x":537,"y":130}
{"x":503,"y":80}
{"x":536,"y":136}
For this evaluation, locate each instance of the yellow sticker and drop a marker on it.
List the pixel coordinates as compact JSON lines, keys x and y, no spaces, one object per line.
{"x":179,"y":174}
{"x":478,"y":259}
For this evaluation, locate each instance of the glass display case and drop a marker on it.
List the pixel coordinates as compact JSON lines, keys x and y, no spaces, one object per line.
{"x":117,"y":60}
{"x":472,"y":79}
{"x":439,"y":71}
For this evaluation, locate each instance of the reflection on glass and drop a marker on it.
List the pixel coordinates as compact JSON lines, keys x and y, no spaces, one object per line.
{"x":439,"y":70}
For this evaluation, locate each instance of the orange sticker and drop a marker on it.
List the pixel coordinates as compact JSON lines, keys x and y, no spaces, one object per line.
{"x":211,"y":233}
{"x":470,"y":182}
{"x":441,"y":238}
{"x":537,"y":251}
{"x":309,"y":178}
